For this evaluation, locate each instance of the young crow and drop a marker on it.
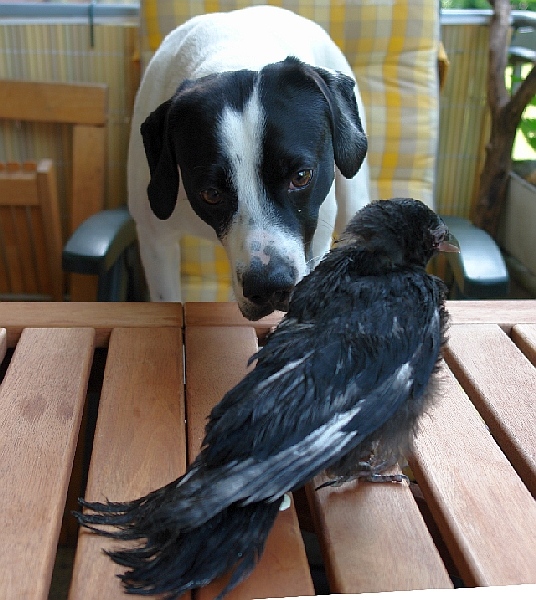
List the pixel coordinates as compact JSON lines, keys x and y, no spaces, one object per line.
{"x":338,"y":386}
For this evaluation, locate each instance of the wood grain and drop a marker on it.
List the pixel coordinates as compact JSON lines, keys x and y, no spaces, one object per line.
{"x":139,"y":441}
{"x":486,"y":515}
{"x":88,"y":173}
{"x":374,"y":538}
{"x":53,"y":102}
{"x":31,"y":231}
{"x":88,"y":195}
{"x":227,"y":314}
{"x":41,"y":401}
{"x":520,"y":592}
{"x":51,"y":226}
{"x":501,"y":383}
{"x":18,"y":189}
{"x":101,"y":316}
{"x":506,"y":313}
{"x":503,"y":312}
{"x":216,"y":359}
{"x":524,"y":336}
{"x":3,"y":344}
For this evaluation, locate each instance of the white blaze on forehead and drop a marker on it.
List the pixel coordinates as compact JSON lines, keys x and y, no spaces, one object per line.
{"x":241,"y":137}
{"x":255,"y":231}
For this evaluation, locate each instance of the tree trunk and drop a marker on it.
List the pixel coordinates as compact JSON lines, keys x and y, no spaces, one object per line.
{"x":506,"y":113}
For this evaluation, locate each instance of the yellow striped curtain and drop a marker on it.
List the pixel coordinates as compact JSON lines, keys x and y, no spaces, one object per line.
{"x":464,"y":118}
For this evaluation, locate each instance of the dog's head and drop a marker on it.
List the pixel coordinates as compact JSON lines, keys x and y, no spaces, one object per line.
{"x":257,"y":153}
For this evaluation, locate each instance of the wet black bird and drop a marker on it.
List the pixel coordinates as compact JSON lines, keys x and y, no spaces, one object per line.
{"x":338,"y":386}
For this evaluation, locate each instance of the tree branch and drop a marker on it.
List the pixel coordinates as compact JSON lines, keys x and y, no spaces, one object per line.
{"x":498,"y":43}
{"x":524,"y":94}
{"x":506,"y":113}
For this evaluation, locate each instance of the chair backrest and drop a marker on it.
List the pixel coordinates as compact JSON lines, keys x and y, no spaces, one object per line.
{"x":30,"y":233}
{"x":84,"y":107}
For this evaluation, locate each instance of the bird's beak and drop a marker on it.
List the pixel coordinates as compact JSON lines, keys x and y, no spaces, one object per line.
{"x":444,"y":240}
{"x":449,"y":244}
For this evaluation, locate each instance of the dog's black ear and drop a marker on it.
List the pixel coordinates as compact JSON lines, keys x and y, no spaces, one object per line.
{"x":349,"y":140}
{"x":164,"y":183}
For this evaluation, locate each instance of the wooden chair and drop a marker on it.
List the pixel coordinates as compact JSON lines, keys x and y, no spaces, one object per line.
{"x":30,"y":232}
{"x":84,"y":107}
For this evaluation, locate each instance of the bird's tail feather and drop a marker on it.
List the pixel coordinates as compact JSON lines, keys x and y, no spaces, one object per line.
{"x":171,"y":561}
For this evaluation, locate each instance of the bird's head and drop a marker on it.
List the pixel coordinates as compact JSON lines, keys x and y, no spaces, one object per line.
{"x":403,"y":230}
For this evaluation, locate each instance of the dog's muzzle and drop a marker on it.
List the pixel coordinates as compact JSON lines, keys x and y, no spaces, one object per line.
{"x":267,"y":288}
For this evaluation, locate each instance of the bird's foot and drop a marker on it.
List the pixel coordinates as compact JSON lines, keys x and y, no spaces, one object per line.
{"x":381,"y":478}
{"x":370,"y":473}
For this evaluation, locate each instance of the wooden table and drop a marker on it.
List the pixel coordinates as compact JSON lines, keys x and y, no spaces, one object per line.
{"x":476,"y":470}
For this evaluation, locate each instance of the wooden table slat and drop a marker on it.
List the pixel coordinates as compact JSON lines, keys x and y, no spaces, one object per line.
{"x":520,"y":592}
{"x":524,"y":336}
{"x":226,"y":314}
{"x":216,"y":359}
{"x":41,"y":404}
{"x":505,"y":313}
{"x":3,"y":344}
{"x":139,"y":442}
{"x":478,"y":501}
{"x":101,"y":316}
{"x":355,"y":520}
{"x":373,"y":537}
{"x":501,"y":382}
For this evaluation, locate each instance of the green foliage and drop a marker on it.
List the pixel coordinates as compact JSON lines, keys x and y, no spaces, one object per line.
{"x":527,"y":124}
{"x":527,"y":127}
{"x":481,"y":4}
{"x":484,"y":4}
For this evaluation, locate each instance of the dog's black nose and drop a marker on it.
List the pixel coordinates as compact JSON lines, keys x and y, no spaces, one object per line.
{"x":271,"y":286}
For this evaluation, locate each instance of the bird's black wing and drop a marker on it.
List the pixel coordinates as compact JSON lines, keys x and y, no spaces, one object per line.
{"x":319,"y":388}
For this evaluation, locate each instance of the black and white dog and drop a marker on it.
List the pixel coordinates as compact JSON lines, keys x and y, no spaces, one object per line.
{"x":247,"y":127}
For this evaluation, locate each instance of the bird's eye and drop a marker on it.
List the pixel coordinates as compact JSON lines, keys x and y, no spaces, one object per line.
{"x":301,"y":179}
{"x":211,"y":196}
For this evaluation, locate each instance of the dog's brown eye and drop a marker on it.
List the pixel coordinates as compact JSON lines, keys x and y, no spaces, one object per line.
{"x":301,"y":179}
{"x":211,"y":196}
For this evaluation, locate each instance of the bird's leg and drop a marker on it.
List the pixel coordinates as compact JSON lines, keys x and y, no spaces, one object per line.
{"x":369,"y":472}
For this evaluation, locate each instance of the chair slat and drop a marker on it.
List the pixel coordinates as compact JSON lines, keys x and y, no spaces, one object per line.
{"x":51,"y":218}
{"x":467,"y":482}
{"x":19,"y":189}
{"x":53,"y":102}
{"x":88,"y":194}
{"x":4,"y":279}
{"x":30,"y":232}
{"x":14,"y":268}
{"x":39,"y":420}
{"x":216,"y":359}
{"x":139,"y":441}
{"x":25,"y":246}
{"x":501,"y":382}
{"x":41,"y":258}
